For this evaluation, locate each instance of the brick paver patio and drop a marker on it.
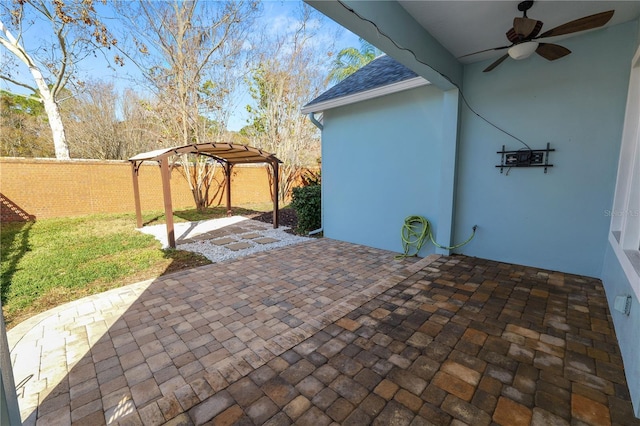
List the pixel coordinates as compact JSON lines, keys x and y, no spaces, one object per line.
{"x":328,"y":332}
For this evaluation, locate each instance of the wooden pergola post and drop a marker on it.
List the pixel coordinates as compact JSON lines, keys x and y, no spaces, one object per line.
{"x":276,"y":185}
{"x":168,"y":208}
{"x":227,"y":173}
{"x":136,"y":193}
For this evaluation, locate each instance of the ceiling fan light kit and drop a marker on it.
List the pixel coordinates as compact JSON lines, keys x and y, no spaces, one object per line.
{"x":525,"y":32}
{"x":523,"y":50}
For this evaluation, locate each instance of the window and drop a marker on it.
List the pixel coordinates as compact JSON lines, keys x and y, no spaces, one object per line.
{"x":625,"y":215}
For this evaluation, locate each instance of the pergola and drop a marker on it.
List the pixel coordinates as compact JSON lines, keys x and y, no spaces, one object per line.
{"x":227,"y":154}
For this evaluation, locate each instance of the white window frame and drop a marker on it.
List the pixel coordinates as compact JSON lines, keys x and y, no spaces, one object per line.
{"x":625,"y":215}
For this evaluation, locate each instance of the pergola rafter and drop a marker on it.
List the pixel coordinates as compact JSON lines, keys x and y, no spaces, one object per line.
{"x":228,"y":154}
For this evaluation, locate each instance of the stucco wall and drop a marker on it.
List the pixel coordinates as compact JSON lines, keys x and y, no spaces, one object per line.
{"x":555,"y":220}
{"x":381,"y":163}
{"x":45,"y":188}
{"x":381,"y":158}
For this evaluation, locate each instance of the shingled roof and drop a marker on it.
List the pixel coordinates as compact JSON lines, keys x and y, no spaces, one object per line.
{"x":368,"y":82}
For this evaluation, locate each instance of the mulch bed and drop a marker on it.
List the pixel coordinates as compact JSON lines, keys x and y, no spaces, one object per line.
{"x":286,"y":217}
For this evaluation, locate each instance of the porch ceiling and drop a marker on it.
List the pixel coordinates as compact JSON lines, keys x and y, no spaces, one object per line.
{"x":464,"y":27}
{"x":441,"y":31}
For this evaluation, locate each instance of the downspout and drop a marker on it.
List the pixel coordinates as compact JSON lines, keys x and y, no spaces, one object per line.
{"x":315,"y":122}
{"x":319,"y":125}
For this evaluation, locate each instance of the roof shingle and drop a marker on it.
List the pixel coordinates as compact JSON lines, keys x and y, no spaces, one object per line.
{"x":382,"y":71}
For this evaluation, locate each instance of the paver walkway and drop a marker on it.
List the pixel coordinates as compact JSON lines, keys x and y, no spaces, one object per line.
{"x":329,"y":332}
{"x":238,"y":231}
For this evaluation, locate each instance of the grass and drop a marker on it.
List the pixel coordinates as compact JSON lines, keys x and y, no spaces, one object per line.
{"x":49,"y":262}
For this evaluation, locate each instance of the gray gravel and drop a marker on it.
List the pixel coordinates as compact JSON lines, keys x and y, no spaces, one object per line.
{"x":219,"y":253}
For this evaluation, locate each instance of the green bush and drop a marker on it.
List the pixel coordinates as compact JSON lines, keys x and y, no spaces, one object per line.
{"x":306,"y":202}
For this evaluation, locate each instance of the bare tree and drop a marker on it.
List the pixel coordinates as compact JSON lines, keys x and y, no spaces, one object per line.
{"x":91,"y":124}
{"x":287,"y":75}
{"x":102,"y":123}
{"x":138,"y":124}
{"x":189,"y":54}
{"x":74,"y":32}
{"x":200,"y":173}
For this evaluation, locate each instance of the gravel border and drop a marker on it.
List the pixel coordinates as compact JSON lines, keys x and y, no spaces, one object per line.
{"x":219,"y":253}
{"x":216,"y":253}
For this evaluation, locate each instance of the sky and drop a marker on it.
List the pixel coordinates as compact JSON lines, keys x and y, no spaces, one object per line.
{"x":277,"y":14}
{"x":281,"y":13}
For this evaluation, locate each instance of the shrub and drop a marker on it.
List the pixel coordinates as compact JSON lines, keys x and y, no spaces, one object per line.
{"x":307,"y":204}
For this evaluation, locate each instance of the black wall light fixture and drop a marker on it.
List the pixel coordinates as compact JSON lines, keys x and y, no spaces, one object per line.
{"x":525,"y":158}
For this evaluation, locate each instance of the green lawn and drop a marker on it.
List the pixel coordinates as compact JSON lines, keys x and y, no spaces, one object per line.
{"x":49,"y":262}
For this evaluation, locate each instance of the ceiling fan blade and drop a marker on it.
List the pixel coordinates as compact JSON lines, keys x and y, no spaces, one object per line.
{"x":525,"y":27}
{"x":582,"y":24}
{"x":513,"y":36}
{"x":496,"y":63}
{"x":552,"y":52}
{"x":485,"y":50}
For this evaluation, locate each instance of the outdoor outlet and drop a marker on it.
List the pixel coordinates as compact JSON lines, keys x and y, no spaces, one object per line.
{"x":622,"y":304}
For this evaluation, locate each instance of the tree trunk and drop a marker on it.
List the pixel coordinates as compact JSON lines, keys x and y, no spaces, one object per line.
{"x":50,"y":105}
{"x":57,"y":128}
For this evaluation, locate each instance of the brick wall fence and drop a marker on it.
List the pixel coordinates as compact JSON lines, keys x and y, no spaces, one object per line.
{"x":46,"y":188}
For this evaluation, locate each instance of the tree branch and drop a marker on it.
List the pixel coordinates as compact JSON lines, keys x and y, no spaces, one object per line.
{"x":17,"y":83}
{"x":58,"y":84}
{"x":12,"y":45}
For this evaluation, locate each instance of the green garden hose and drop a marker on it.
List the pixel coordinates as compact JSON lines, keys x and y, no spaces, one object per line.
{"x":414,"y":234}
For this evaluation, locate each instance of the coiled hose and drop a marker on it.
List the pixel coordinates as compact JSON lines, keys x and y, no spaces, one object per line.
{"x":414,"y":234}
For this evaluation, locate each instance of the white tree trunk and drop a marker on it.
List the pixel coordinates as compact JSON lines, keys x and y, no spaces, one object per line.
{"x":55,"y":120}
{"x":50,"y":105}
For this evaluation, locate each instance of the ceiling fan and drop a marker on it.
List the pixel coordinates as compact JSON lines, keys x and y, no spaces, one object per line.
{"x":524,"y":35}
